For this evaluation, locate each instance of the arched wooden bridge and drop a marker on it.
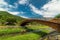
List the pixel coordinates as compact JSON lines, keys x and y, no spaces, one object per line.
{"x":54,"y":23}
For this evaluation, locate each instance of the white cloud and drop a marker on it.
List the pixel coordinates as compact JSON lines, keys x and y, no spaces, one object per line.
{"x":24,"y":16}
{"x":14,"y":13}
{"x":5,"y":7}
{"x":11,"y":6}
{"x":50,"y":9}
{"x":23,"y":1}
{"x":15,"y":5}
{"x":34,"y":9}
{"x":2,"y":2}
{"x":53,"y":6}
{"x":1,"y":9}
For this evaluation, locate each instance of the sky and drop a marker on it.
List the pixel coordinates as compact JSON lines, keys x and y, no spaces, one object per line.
{"x":31,"y":8}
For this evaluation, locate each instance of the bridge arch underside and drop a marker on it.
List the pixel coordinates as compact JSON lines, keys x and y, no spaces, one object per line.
{"x":53,"y":25}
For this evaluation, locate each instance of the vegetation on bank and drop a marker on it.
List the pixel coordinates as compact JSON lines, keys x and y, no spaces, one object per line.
{"x":28,"y":36}
{"x":9,"y":19}
{"x":7,"y":31}
{"x":21,"y":33}
{"x":57,"y":16}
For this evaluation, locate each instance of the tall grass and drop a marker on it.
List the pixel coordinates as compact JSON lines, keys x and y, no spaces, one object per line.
{"x":28,"y":36}
{"x":6,"y":31}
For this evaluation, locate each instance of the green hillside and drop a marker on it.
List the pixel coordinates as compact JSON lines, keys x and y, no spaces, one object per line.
{"x":32,"y":31}
{"x":9,"y":19}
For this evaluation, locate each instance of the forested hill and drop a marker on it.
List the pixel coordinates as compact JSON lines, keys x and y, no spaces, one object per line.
{"x":9,"y":19}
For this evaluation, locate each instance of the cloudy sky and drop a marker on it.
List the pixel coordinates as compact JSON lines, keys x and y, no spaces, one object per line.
{"x":31,"y":8}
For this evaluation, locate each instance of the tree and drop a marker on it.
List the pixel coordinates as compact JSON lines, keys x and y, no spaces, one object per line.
{"x":57,"y":16}
{"x":10,"y":21}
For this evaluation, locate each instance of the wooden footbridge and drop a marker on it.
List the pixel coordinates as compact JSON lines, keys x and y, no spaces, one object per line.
{"x":54,"y":23}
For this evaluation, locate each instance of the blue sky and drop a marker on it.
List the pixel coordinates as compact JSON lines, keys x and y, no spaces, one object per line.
{"x":31,"y":8}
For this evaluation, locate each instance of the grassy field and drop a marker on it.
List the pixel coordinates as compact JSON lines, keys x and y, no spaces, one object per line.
{"x":10,"y":30}
{"x":9,"y":33}
{"x":28,"y":36}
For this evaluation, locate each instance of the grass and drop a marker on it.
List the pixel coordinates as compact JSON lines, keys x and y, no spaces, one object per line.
{"x":26,"y":36}
{"x":39,"y":27}
{"x":10,"y":30}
